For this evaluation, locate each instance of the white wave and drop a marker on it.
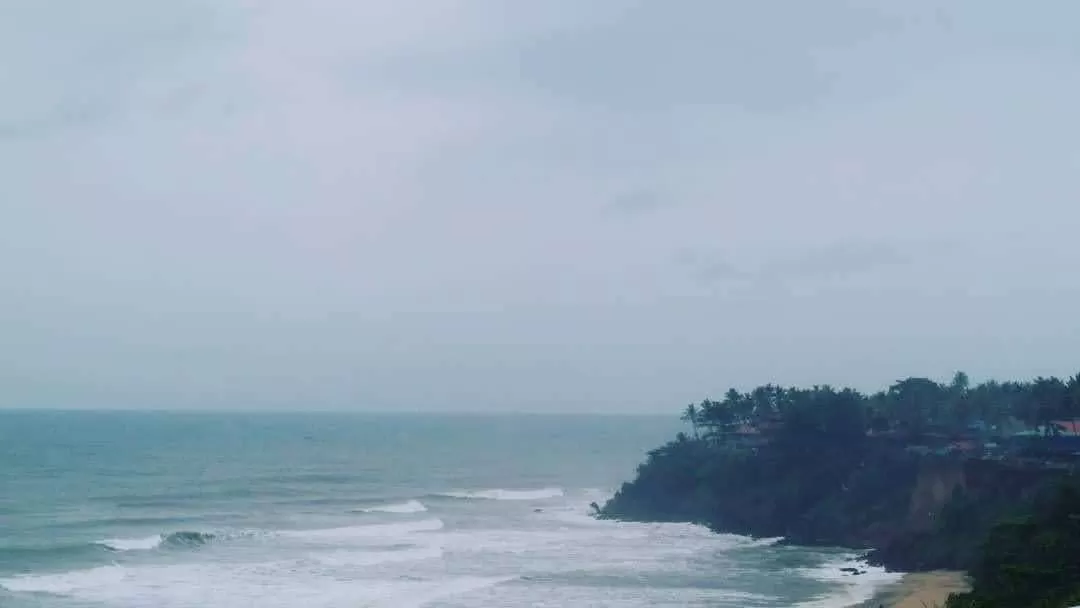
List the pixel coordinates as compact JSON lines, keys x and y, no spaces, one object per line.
{"x":571,"y":516}
{"x":600,"y":544}
{"x":761,"y":542}
{"x":409,"y":506}
{"x":132,"y":544}
{"x":266,"y":584}
{"x":855,"y":589}
{"x":373,"y":531}
{"x":629,"y":596}
{"x":65,"y":583}
{"x":459,"y":586}
{"x":373,"y":558}
{"x":501,"y":494}
{"x":406,"y":564}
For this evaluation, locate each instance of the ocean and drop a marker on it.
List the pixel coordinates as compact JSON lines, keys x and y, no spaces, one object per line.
{"x":186,"y":510}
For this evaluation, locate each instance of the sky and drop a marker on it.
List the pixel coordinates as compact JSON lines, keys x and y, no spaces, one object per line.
{"x":565,"y":206}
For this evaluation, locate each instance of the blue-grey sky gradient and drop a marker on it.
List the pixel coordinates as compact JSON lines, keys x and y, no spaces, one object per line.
{"x":611,"y":205}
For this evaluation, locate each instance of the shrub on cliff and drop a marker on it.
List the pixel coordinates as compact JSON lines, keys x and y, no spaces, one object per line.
{"x":1033,"y":561}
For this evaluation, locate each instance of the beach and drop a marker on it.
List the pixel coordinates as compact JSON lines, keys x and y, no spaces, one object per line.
{"x":922,"y":590}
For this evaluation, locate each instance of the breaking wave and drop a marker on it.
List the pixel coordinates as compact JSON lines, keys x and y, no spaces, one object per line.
{"x":368,"y":532}
{"x":852,"y":590}
{"x":184,"y":538}
{"x":188,"y":539}
{"x":410,"y":506}
{"x":501,"y":494}
{"x":191,"y":539}
{"x":131,"y":544}
{"x":185,"y":585}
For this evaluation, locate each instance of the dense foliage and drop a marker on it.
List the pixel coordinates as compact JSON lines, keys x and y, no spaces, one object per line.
{"x":837,"y":467}
{"x":915,"y":406}
{"x":814,"y":478}
{"x":1032,"y":561}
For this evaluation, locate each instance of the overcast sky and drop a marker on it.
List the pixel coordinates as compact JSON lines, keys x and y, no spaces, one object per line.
{"x":565,"y":205}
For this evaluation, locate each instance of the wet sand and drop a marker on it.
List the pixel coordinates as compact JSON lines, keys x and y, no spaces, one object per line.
{"x":922,"y":590}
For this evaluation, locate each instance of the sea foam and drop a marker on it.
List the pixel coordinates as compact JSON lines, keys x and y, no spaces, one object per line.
{"x":855,"y":589}
{"x":407,"y":507}
{"x":132,"y":544}
{"x":267,"y":585}
{"x":368,"y":532}
{"x":501,"y":494}
{"x":66,"y":583}
{"x":343,"y":558}
{"x":183,"y":538}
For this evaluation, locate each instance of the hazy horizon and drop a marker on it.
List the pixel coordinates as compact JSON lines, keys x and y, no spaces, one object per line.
{"x":446,"y":205}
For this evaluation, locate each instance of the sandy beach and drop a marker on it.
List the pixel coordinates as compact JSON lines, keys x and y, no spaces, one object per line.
{"x":922,"y":590}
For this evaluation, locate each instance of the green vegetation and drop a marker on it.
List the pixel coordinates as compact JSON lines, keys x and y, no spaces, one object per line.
{"x":1031,"y":561}
{"x":920,"y":473}
{"x":915,"y":406}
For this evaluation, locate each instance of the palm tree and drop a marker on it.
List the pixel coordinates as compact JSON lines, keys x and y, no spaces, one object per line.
{"x":960,"y":384}
{"x":1072,"y":397}
{"x":1047,"y":396}
{"x":960,"y":411}
{"x":690,"y":414}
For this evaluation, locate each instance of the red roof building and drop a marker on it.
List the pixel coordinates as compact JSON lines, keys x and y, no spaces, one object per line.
{"x":1069,"y":427}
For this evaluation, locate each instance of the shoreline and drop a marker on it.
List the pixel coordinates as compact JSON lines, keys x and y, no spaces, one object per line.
{"x":921,"y":590}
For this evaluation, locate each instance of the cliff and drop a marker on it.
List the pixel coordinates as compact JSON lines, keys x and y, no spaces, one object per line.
{"x":953,"y":505}
{"x":912,"y":513}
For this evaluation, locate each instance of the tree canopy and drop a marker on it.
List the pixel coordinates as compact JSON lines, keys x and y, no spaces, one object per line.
{"x":911,"y":406}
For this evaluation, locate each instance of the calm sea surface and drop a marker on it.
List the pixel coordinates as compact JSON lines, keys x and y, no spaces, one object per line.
{"x":158,"y":510}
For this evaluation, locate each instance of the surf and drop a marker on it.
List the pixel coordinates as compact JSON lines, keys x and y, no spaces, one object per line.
{"x":183,"y":538}
{"x":404,"y":508}
{"x":504,"y":494}
{"x":371,"y":532}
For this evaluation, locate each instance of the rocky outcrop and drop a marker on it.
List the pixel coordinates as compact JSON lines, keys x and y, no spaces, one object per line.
{"x":912,"y":512}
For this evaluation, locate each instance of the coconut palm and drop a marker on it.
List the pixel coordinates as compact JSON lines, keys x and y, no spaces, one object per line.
{"x":690,"y":414}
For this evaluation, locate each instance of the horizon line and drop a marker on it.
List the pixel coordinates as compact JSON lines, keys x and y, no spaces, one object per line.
{"x":324,"y":411}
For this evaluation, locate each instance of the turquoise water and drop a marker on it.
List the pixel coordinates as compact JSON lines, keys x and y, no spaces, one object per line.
{"x":156,"y":510}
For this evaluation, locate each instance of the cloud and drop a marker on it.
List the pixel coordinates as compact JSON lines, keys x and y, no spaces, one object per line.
{"x":813,"y":264}
{"x":835,"y":260}
{"x":636,"y":202}
{"x":708,"y":267}
{"x":384,"y":204}
{"x":61,"y":119}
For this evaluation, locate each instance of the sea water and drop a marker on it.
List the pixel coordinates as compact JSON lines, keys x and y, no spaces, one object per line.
{"x":180,"y":510}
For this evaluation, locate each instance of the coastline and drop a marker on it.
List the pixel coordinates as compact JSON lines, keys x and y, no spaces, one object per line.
{"x":921,"y":590}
